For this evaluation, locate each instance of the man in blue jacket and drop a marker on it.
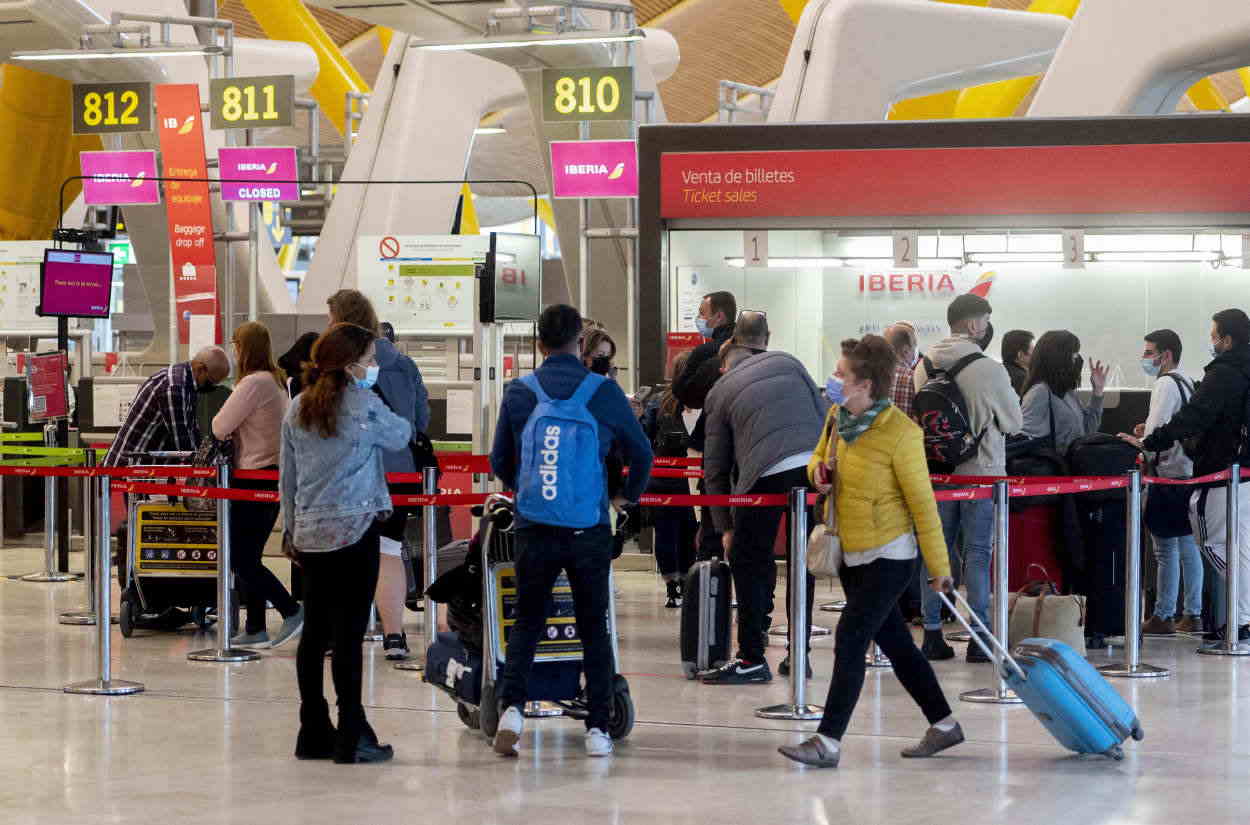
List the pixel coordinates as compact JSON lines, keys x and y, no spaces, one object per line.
{"x":544,"y":550}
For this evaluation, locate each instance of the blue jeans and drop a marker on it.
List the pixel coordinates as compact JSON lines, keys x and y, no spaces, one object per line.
{"x":1174,"y":556}
{"x":974,"y":520}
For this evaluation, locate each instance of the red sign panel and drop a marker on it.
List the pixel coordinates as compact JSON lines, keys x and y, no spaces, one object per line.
{"x":49,"y":387}
{"x":998,"y":180}
{"x":675,"y":344}
{"x":193,"y":257}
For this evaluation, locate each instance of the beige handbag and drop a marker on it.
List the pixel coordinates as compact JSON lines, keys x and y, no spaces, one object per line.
{"x":1037,"y":611}
{"x":824,"y":548}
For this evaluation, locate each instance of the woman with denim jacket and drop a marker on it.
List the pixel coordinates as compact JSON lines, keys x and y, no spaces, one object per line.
{"x":334,"y":498}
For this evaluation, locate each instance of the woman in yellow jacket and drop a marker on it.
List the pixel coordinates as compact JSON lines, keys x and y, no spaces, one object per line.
{"x":874,"y":454}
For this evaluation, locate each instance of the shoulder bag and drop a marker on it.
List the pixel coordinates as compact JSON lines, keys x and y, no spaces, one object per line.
{"x":1037,"y":611}
{"x":824,"y":548}
{"x":1167,"y":505}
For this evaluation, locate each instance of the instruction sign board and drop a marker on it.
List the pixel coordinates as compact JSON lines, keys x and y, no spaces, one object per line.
{"x":113,"y":178}
{"x":174,"y":541}
{"x":270,"y":173}
{"x":559,"y":640}
{"x":422,"y":284}
{"x":49,"y":386}
{"x":20,"y":263}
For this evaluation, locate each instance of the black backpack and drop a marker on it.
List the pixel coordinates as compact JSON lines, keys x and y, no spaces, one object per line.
{"x":671,"y":438}
{"x":942,"y":413}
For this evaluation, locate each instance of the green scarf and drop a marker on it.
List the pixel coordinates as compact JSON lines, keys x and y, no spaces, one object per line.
{"x":851,"y":427}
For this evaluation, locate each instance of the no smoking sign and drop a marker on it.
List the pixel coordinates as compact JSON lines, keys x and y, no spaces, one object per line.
{"x":388,"y":247}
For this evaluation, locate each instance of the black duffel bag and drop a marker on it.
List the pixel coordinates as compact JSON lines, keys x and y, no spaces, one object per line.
{"x":1101,"y":454}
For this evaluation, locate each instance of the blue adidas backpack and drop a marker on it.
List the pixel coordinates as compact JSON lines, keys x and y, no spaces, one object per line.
{"x":562,"y":480}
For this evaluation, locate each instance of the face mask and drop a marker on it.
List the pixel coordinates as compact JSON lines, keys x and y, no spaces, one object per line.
{"x":705,"y":329}
{"x":834,"y":390}
{"x":1215,"y":353}
{"x":371,"y":378}
{"x":986,"y":337}
{"x":1149,"y":367}
{"x":601,"y":364}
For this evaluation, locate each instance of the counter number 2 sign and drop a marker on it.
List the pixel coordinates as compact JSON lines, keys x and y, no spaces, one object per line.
{"x":251,"y":102}
{"x":112,"y":108}
{"x":571,"y":95}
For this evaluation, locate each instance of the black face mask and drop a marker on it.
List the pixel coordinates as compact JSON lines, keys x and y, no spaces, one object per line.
{"x":984,"y":341}
{"x":601,"y":364}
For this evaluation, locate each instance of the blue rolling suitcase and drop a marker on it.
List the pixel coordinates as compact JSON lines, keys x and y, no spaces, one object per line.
{"x":1068,"y":696}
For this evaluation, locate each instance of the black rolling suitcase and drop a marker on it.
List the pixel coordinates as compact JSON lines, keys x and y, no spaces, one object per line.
{"x":1103,"y":532}
{"x":705,"y":621}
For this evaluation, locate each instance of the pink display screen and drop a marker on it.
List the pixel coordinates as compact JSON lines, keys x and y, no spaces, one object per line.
{"x":75,"y":284}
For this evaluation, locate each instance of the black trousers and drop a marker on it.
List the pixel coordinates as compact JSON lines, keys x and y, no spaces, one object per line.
{"x":586,"y":556}
{"x":251,"y":523}
{"x":338,"y":593}
{"x":754,"y":567}
{"x":675,"y":531}
{"x":872,"y":613}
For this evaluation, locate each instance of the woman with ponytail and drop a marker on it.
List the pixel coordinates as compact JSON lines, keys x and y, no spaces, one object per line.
{"x":334,"y":499}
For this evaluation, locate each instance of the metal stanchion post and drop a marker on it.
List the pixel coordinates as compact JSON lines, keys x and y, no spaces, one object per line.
{"x":52,"y":516}
{"x":834,"y":607}
{"x":1132,"y":666}
{"x":372,"y":632}
{"x":225,"y":609}
{"x":104,"y":684}
{"x":1232,"y":644}
{"x":999,"y":694}
{"x":797,"y":708}
{"x":93,"y":542}
{"x":876,"y":658}
{"x":429,"y":558}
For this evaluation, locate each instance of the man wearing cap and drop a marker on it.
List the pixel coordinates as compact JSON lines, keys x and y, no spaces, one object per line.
{"x":993,"y":409}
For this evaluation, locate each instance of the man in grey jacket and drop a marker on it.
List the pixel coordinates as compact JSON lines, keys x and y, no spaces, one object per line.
{"x":763,"y":420}
{"x":994,"y":410}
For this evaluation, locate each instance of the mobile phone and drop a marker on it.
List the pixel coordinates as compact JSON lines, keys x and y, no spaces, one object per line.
{"x":643,"y":393}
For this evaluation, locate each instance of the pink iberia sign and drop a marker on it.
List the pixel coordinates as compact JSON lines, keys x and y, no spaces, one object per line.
{"x":260,"y":173}
{"x":594,"y":168}
{"x":119,"y":177}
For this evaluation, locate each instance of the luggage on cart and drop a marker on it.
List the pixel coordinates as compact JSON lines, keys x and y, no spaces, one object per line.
{"x":167,"y":570}
{"x":1065,"y":692}
{"x":451,"y":665}
{"x":705,"y":617}
{"x":1103,"y":526}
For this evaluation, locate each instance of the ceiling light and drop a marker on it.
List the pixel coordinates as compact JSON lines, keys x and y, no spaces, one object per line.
{"x":1015,"y":257}
{"x":490,"y":130}
{"x":109,"y":54}
{"x":1196,"y":256}
{"x":526,"y":41}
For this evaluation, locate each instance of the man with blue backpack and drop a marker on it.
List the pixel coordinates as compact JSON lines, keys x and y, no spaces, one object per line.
{"x":555,"y":428}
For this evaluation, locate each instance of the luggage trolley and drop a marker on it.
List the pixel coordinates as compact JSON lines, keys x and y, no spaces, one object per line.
{"x":557,"y":671}
{"x":169,"y":574}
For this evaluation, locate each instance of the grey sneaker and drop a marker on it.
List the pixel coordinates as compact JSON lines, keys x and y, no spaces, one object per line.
{"x":813,"y":752}
{"x":292,"y":626}
{"x":260,"y":639}
{"x":935,"y":741}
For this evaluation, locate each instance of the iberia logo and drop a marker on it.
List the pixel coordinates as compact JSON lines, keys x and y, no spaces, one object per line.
{"x":982,"y":287}
{"x":187,"y":125}
{"x":618,"y":171}
{"x":138,"y":180}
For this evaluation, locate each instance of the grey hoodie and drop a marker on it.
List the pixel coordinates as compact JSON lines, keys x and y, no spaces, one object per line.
{"x":991,"y":401}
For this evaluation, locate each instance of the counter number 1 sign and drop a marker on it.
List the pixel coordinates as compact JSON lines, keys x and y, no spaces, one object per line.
{"x":588,"y":94}
{"x":251,"y":102}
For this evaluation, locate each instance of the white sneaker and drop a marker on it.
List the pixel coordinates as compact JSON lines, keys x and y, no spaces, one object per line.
{"x":509,"y":733}
{"x":598,"y":743}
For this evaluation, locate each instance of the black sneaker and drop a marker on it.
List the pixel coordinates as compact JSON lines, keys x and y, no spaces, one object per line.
{"x":738,"y":672}
{"x":395,"y":646}
{"x":935,"y":648}
{"x":1243,"y":634}
{"x":674,"y":595}
{"x":976,"y":656}
{"x":783,"y":669}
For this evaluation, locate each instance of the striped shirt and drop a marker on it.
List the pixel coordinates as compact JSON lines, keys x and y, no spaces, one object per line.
{"x":162,"y":416}
{"x":903,"y":391}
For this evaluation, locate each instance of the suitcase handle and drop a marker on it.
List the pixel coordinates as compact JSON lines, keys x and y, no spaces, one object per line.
{"x":977,"y":637}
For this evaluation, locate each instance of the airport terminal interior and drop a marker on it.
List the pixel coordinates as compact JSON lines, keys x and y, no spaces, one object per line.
{"x":433,"y":214}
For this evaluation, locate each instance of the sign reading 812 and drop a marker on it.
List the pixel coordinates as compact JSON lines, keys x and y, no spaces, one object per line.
{"x":112,"y":108}
{"x":588,"y":94}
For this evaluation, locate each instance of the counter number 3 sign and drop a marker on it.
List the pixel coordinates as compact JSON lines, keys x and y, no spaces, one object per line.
{"x":571,"y":95}
{"x":251,"y":102}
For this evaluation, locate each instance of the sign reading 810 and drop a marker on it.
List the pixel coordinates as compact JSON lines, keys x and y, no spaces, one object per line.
{"x":251,"y":102}
{"x":588,"y":94}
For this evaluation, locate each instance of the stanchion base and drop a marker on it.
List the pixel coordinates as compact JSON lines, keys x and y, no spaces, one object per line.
{"x":81,"y":617}
{"x":834,"y":607}
{"x":230,"y":654}
{"x":802,"y":713}
{"x":1241,"y":649}
{"x":542,"y":710}
{"x":1142,"y":671}
{"x":373,"y":637}
{"x":784,"y":630}
{"x":959,"y":636}
{"x":51,"y":578}
{"x":879,"y":660}
{"x":990,"y":696}
{"x":100,"y":687}
{"x":416,"y":667}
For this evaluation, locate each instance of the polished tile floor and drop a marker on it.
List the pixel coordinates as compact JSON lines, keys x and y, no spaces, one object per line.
{"x":209,"y":743}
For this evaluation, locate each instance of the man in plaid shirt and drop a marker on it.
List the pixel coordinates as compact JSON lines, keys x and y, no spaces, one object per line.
{"x":162,"y":416}
{"x":902,"y":337}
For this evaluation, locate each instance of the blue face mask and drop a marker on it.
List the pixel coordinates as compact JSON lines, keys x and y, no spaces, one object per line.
{"x":705,"y":329}
{"x":834,"y":390}
{"x":371,"y":378}
{"x":1149,"y":367}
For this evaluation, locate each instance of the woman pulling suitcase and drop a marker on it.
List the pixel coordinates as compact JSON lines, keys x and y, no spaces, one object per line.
{"x":876,"y":470}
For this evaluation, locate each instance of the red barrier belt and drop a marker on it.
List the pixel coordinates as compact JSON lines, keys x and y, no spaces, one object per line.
{"x":447,"y":499}
{"x":657,"y":500}
{"x":673,"y":461}
{"x":186,"y":491}
{"x":970,"y":494}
